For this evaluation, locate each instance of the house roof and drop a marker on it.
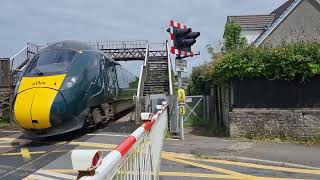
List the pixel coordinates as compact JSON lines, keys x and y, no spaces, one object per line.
{"x":283,"y":8}
{"x":253,"y":22}
{"x":280,"y":14}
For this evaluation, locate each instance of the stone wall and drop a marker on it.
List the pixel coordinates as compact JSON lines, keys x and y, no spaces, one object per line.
{"x":286,"y":124}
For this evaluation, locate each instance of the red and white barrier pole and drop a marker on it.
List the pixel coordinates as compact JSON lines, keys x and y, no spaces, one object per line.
{"x":113,"y":158}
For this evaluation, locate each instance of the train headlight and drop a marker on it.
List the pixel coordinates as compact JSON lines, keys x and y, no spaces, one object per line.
{"x":69,"y":82}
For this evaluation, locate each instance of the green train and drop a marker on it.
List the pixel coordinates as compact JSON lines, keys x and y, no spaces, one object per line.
{"x":67,"y":86}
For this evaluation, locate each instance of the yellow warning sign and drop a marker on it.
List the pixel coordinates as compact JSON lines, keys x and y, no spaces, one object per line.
{"x":182,"y":109}
{"x":181,"y":96}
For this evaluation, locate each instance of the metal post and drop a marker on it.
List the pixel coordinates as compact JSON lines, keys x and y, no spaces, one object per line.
{"x":180,"y":116}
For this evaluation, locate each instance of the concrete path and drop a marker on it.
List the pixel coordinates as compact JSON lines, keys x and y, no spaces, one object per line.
{"x":275,"y":153}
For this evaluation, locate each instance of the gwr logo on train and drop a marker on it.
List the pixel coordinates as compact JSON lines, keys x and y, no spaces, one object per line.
{"x":38,"y":83}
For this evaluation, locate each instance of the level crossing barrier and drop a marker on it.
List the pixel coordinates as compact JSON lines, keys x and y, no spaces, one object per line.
{"x":137,"y":157}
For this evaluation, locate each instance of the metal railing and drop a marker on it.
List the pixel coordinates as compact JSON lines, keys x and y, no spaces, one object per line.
{"x":108,"y":44}
{"x":157,"y":49}
{"x":143,"y":73}
{"x":20,"y":59}
{"x":139,"y":155}
{"x":169,"y":69}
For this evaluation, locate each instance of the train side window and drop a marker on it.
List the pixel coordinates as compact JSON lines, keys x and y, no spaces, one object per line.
{"x":93,"y":66}
{"x":111,"y":78}
{"x":86,"y":64}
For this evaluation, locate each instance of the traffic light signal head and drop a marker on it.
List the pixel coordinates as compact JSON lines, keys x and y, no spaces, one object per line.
{"x":182,"y":38}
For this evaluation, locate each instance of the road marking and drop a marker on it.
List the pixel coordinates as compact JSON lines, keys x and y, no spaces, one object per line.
{"x":55,"y":174}
{"x":181,"y":174}
{"x":95,"y":145}
{"x":25,"y":154}
{"x":69,"y":171}
{"x":11,"y":131}
{"x":250,"y":165}
{"x":176,"y":174}
{"x":28,"y":178}
{"x":39,"y":177}
{"x":104,"y":147}
{"x":14,"y":140}
{"x":6,"y":146}
{"x":234,"y":174}
{"x":112,"y":135}
{"x":88,"y":144}
{"x":225,"y":171}
{"x":178,"y":157}
{"x":198,"y":175}
{"x":20,"y":153}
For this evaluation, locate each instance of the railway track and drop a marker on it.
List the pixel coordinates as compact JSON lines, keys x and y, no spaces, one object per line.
{"x":21,"y":160}
{"x":31,"y":165}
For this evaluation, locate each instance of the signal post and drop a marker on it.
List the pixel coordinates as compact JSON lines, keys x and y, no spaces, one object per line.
{"x":182,"y":38}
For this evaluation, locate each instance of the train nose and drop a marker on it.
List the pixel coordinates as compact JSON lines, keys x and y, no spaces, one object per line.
{"x":34,"y":108}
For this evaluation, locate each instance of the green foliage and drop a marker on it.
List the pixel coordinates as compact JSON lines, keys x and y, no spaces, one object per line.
{"x":201,"y":78}
{"x":5,"y":122}
{"x":168,"y":135}
{"x":289,"y":62}
{"x":200,"y":81}
{"x":232,"y":36}
{"x":134,"y":84}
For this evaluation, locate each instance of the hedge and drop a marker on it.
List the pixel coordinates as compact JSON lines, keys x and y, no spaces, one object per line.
{"x":299,"y":61}
{"x":200,"y":80}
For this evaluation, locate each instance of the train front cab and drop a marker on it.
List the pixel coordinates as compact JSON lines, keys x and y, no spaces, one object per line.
{"x":55,"y":90}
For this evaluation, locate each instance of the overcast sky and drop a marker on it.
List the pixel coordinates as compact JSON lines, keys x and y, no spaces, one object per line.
{"x":40,"y":21}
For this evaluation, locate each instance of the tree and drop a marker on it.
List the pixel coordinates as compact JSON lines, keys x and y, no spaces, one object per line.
{"x":232,"y":36}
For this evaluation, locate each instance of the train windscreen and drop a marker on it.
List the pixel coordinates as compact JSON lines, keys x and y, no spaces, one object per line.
{"x":51,"y":61}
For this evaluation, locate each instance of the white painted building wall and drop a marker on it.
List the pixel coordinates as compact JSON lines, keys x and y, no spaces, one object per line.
{"x":251,"y":35}
{"x":303,"y":24}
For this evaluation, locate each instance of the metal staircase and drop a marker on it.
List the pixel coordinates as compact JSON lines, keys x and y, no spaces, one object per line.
{"x":155,"y":75}
{"x":157,"y":78}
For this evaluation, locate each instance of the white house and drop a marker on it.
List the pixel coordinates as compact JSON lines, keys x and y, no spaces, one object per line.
{"x":293,"y":21}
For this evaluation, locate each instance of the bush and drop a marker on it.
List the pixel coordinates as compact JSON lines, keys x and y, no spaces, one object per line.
{"x":289,"y":62}
{"x":200,"y":80}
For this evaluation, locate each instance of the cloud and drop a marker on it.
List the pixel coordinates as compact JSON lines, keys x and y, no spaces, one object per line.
{"x":41,"y":21}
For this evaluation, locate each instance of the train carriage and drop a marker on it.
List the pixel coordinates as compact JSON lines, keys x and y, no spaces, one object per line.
{"x":66,"y":86}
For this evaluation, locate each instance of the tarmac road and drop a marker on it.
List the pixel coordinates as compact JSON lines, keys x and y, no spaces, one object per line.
{"x":190,"y":159}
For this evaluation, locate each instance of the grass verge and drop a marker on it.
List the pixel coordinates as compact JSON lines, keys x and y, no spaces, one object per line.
{"x":279,"y":139}
{"x":6,"y":124}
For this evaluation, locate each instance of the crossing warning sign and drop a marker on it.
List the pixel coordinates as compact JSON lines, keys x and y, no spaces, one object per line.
{"x":181,"y":96}
{"x":182,"y":109}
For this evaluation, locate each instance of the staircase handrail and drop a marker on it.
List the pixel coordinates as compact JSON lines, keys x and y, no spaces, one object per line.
{"x":143,"y":72}
{"x":169,"y":69}
{"x":146,"y":56}
{"x":18,"y":53}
